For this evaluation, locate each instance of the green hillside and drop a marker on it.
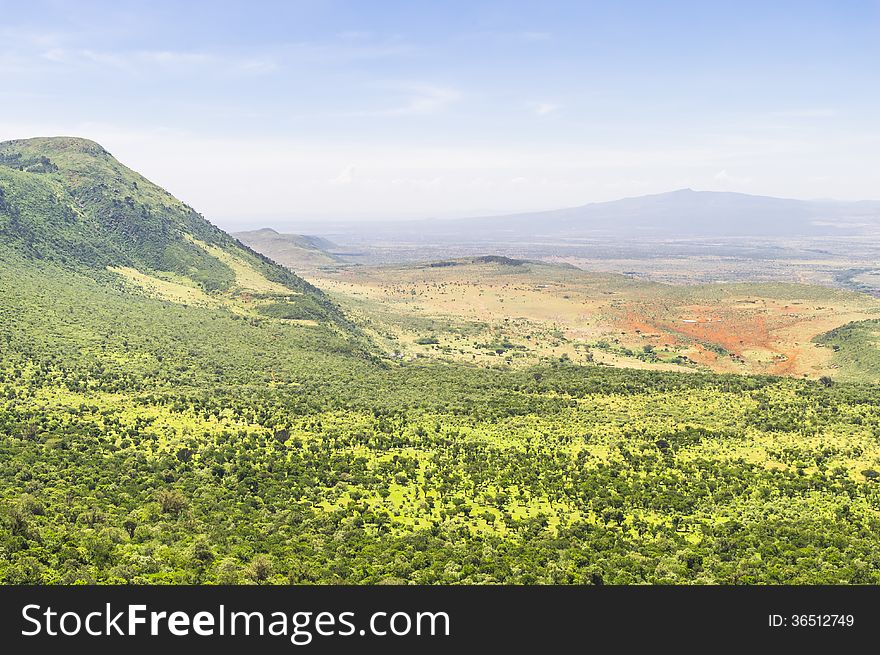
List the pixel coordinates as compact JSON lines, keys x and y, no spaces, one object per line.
{"x":856,"y":350}
{"x":295,"y":251}
{"x":68,"y":201}
{"x":166,"y":417}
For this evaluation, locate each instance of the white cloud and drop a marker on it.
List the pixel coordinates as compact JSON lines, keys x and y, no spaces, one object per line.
{"x":145,"y":60}
{"x":157,"y":59}
{"x":545,"y":108}
{"x":174,"y":58}
{"x":423,"y":99}
{"x":345,"y":177}
{"x":22,"y":51}
{"x":256,"y":66}
{"x":427,"y":100}
{"x":21,"y":38}
{"x":731,"y":181}
{"x":805,"y":113}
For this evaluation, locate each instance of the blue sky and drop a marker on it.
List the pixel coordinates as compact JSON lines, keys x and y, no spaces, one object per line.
{"x":271,"y":112}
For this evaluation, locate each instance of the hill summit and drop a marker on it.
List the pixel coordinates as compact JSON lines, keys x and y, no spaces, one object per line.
{"x":68,"y":201}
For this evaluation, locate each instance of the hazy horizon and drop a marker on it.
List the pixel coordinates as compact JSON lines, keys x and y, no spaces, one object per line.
{"x":342,"y":111}
{"x":278,"y":222}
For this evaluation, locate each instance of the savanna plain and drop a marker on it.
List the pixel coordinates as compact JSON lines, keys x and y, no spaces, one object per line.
{"x":183,"y":406}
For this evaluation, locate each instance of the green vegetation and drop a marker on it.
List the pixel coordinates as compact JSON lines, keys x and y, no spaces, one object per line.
{"x":295,"y":251}
{"x":156,"y":437}
{"x":84,"y":209}
{"x":856,"y":348}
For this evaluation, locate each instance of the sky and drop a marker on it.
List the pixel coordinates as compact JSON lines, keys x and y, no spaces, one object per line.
{"x":267,"y":113}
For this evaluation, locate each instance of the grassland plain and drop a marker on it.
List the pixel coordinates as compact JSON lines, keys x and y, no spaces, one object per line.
{"x":187,"y":421}
{"x":496,"y":310}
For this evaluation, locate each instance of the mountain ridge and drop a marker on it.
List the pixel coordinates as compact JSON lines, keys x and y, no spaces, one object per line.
{"x":687,"y":212}
{"x":69,"y":201}
{"x":294,"y":251}
{"x":682,"y":213}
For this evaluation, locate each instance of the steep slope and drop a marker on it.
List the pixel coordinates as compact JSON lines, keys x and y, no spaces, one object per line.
{"x":68,"y":201}
{"x":295,"y":251}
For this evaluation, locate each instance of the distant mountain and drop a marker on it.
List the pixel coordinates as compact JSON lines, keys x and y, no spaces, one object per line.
{"x":67,"y":202}
{"x":683,"y":213}
{"x":295,"y":251}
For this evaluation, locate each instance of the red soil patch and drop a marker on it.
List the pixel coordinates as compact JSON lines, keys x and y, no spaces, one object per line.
{"x":733,"y":332}
{"x":639,"y":323}
{"x":705,"y":357}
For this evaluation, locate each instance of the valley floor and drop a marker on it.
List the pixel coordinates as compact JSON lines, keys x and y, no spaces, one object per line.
{"x":498,"y":311}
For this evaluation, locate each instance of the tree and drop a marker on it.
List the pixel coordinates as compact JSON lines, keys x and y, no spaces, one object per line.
{"x":259,"y":569}
{"x":171,"y":501}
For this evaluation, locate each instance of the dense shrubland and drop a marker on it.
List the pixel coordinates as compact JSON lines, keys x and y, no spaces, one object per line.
{"x":148,"y":442}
